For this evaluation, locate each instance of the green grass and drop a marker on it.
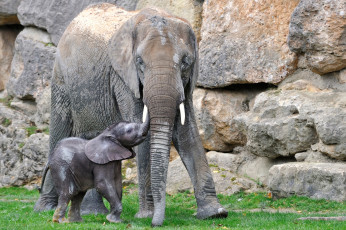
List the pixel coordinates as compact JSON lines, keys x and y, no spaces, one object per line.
{"x":6,"y":122}
{"x":33,"y":129}
{"x":16,"y":212}
{"x":6,"y":101}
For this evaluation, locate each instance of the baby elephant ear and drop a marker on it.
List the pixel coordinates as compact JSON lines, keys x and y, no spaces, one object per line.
{"x":102,"y":150}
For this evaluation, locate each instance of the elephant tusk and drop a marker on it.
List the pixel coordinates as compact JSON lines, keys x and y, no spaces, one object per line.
{"x":182,"y":113}
{"x":145,"y":113}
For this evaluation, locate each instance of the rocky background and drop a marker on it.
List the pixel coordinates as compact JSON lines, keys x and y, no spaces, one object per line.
{"x":270,"y":101}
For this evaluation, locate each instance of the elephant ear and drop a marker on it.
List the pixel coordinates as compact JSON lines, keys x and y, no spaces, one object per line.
{"x":102,"y":150}
{"x":120,"y":52}
{"x":195,"y":69}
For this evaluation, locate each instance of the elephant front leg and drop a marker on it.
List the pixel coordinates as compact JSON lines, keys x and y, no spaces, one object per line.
{"x":189,"y":146}
{"x":108,"y":183}
{"x":146,"y":203}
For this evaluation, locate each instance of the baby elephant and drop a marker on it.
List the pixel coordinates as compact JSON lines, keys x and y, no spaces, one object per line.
{"x":77,"y":165}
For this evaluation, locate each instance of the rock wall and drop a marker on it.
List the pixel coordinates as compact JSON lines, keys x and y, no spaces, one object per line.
{"x":270,"y":102}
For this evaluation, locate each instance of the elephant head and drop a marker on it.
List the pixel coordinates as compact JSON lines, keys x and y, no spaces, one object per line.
{"x":156,"y":56}
{"x":116,"y":141}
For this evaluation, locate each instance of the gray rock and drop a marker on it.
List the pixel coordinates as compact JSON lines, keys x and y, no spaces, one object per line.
{"x":26,"y":107}
{"x":226,"y":182}
{"x":22,"y":158}
{"x":8,"y":12}
{"x":245,"y":42}
{"x":315,"y":180}
{"x":281,"y":137}
{"x":283,"y":123}
{"x":318,"y":157}
{"x":305,"y":79}
{"x":32,"y":64}
{"x":334,"y":151}
{"x":54,"y":16}
{"x":244,"y":163}
{"x":317,"y":29}
{"x":127,"y":4}
{"x":301,"y":156}
{"x":8,"y":36}
{"x":42,"y":115}
{"x":227,"y":161}
{"x":178,"y":179}
{"x":191,"y":10}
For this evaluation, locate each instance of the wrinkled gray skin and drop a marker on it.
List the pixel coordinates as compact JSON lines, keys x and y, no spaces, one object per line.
{"x":77,"y":165}
{"x":152,"y":60}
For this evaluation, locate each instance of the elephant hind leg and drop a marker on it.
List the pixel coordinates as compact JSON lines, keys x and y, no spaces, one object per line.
{"x":60,"y":211}
{"x":74,"y":212}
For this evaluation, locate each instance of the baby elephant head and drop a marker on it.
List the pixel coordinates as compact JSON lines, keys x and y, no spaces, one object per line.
{"x":116,"y":141}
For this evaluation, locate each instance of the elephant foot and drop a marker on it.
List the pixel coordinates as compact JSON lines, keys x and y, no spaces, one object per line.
{"x":93,"y":204}
{"x":156,"y":222}
{"x":45,"y":203}
{"x":73,"y":219}
{"x":60,"y":220}
{"x":144,"y":214}
{"x":211,"y":210}
{"x":113,"y":218}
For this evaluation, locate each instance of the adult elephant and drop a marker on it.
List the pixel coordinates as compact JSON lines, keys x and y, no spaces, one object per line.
{"x":110,"y":65}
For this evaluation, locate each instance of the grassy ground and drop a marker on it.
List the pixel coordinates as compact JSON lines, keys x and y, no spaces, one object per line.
{"x":247,"y":211}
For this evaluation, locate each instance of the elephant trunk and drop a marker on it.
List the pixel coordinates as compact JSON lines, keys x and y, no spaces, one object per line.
{"x":161,"y":137}
{"x":162,"y":100}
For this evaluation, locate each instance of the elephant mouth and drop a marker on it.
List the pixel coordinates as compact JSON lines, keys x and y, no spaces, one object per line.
{"x":181,"y":109}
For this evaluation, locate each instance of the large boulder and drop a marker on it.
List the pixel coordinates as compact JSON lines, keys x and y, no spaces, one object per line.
{"x":315,"y":180}
{"x":245,"y":42}
{"x":191,"y":10}
{"x":286,"y":122}
{"x":32,"y":64}
{"x":317,"y":29}
{"x":54,"y":16}
{"x":214,"y":110}
{"x":8,"y":36}
{"x":8,"y":12}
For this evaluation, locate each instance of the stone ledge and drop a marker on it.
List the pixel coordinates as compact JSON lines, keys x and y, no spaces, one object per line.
{"x":314,"y":180}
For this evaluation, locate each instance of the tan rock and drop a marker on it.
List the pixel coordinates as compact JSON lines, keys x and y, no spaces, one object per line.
{"x":317,"y":28}
{"x":214,"y":110}
{"x":244,"y":41}
{"x":7,"y":38}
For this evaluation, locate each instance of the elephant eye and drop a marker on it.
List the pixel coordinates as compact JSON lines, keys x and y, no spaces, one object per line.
{"x":140,"y":63}
{"x":129,"y":130}
{"x":185,"y":63}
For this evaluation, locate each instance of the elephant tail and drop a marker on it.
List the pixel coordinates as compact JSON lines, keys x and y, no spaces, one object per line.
{"x":43,"y":177}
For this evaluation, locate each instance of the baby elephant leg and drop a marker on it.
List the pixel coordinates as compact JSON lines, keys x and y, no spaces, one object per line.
{"x":107,"y":191}
{"x":74,"y":212}
{"x":60,"y":211}
{"x":108,"y":184}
